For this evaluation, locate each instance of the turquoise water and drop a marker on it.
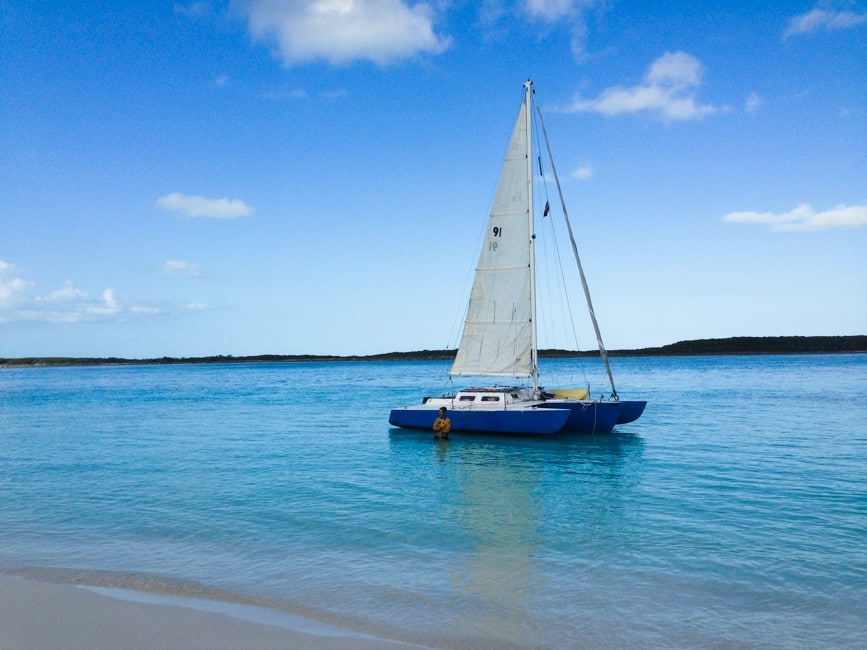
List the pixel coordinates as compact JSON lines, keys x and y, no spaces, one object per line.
{"x":732,"y":514}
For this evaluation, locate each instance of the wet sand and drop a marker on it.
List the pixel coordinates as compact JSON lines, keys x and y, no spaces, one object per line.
{"x":38,"y":615}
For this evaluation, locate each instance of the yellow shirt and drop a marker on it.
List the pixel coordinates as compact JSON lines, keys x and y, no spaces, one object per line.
{"x":442,"y":426}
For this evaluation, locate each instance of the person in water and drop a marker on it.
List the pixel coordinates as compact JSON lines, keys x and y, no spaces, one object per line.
{"x":442,"y":425}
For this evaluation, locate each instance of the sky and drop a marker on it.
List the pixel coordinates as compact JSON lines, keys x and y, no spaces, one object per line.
{"x":312,"y":176}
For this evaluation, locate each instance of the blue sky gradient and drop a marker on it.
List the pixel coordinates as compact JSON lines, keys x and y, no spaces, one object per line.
{"x":276,"y":177}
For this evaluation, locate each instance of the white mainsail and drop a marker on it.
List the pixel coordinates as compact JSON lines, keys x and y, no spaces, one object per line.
{"x":499,"y":331}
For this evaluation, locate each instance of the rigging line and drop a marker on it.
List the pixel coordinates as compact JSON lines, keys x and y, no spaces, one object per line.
{"x":546,"y":321}
{"x":561,"y":279}
{"x":569,"y":319}
{"x":556,"y":269}
{"x":539,"y":156}
{"x":570,"y":324}
{"x":602,"y":349}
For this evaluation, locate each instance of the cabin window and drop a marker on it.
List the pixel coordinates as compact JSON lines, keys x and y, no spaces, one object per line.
{"x":514,"y":395}
{"x":467,"y":398}
{"x":491,"y":398}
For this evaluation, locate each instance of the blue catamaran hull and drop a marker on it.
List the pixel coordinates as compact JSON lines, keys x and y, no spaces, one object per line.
{"x":523,"y":421}
{"x":587,"y":416}
{"x":630,"y":410}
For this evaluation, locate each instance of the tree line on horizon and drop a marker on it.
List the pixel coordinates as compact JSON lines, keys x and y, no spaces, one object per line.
{"x":699,"y":347}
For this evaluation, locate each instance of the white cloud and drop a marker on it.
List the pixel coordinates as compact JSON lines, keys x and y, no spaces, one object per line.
{"x":552,"y":9}
{"x":571,"y":12}
{"x":193,"y":10}
{"x":583,"y":173}
{"x":667,"y":92}
{"x":675,"y":70}
{"x":69,"y":304}
{"x":342,"y":31}
{"x":283,"y":95}
{"x":179,"y":267}
{"x":805,"y":217}
{"x":139,"y":310}
{"x":200,"y":206}
{"x":826,"y":19}
{"x":108,"y":306}
{"x":68,"y":292}
{"x":331,"y":95}
{"x":754,"y":103}
{"x":11,"y":288}
{"x":65,"y":305}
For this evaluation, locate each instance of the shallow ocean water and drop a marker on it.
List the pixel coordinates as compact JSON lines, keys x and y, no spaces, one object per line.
{"x":732,"y":514}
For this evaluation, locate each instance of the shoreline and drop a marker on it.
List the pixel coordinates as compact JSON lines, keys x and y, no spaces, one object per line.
{"x":743,"y":345}
{"x":39,"y":614}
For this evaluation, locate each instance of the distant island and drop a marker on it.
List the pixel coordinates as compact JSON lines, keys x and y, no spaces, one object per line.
{"x":701,"y":347}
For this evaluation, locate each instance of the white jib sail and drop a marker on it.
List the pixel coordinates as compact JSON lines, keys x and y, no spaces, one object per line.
{"x":498,"y":331}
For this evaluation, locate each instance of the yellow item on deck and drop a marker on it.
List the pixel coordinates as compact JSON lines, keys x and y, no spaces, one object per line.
{"x":570,"y":393}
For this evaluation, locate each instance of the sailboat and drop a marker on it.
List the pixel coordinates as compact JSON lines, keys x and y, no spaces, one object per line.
{"x":500,"y":336}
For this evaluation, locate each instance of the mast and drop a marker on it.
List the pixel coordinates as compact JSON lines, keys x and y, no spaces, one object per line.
{"x":534,"y":348}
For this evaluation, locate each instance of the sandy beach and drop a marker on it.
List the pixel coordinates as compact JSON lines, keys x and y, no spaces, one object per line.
{"x":44,"y":616}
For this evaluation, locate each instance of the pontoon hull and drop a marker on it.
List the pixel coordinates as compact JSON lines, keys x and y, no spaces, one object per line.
{"x":630,"y":410}
{"x":587,"y":416}
{"x":523,"y":421}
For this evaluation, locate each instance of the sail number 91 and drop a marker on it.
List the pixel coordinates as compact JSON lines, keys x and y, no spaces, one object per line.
{"x":497,"y":232}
